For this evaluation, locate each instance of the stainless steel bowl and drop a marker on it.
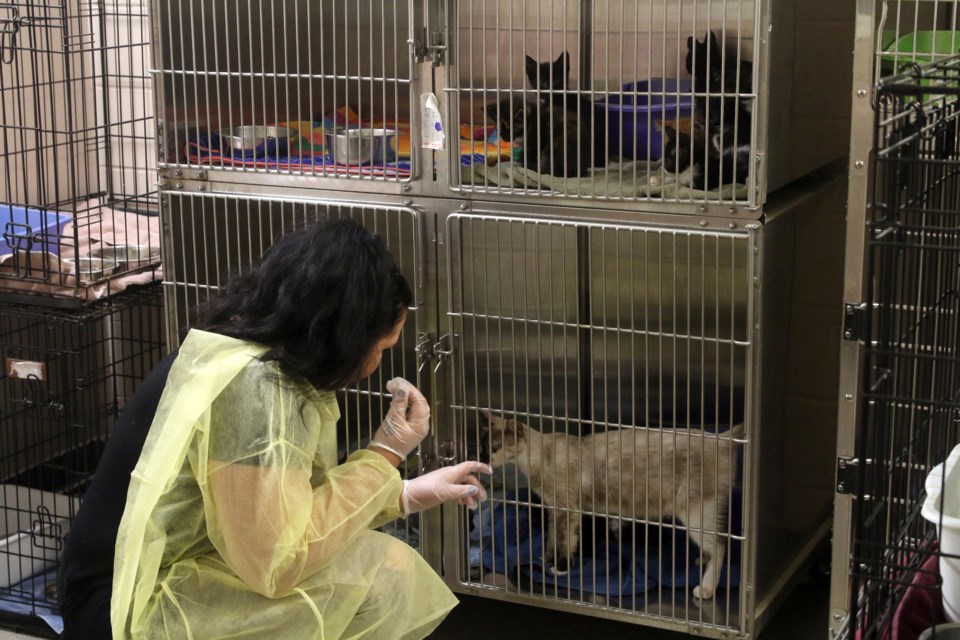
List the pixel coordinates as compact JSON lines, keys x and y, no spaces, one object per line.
{"x":129,"y":256}
{"x":91,"y":268}
{"x":257,"y":140}
{"x":361,"y":146}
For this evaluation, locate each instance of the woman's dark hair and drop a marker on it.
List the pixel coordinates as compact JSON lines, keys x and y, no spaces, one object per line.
{"x":320,"y":298}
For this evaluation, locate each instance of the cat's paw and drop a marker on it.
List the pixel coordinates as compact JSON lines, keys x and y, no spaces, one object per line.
{"x":703,"y":592}
{"x":561,"y":568}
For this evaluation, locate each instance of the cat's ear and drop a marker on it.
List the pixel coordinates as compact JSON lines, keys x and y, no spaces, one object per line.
{"x":670,"y":133}
{"x":714,"y":48}
{"x":514,"y":427}
{"x":562,"y":65}
{"x":531,"y":68}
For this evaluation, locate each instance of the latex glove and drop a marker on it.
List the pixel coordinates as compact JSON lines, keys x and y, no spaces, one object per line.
{"x":448,"y":483}
{"x":407,"y":421}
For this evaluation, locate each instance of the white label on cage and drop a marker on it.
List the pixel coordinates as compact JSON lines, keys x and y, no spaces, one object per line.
{"x":431,"y":131}
{"x":26,"y":370}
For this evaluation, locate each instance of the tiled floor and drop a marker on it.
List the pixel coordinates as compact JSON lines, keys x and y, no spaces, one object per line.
{"x":802,"y":617}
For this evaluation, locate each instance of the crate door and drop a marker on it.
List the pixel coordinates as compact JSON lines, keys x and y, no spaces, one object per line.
{"x":601,"y":345}
{"x":211,"y":237}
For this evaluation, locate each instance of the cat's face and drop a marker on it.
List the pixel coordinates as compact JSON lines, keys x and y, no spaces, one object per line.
{"x":509,"y":116}
{"x":548,"y":75}
{"x":706,"y":55}
{"x":507,"y":439}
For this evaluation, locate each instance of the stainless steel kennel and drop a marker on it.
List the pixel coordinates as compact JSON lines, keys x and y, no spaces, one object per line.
{"x":579,"y":305}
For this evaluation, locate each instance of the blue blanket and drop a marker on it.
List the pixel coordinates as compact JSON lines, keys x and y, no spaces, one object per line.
{"x":16,"y":601}
{"x":508,"y":535}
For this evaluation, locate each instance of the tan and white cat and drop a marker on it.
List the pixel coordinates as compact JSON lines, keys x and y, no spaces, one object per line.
{"x":641,"y":474}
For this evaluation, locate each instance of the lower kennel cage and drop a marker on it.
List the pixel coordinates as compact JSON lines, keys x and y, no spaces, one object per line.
{"x":605,"y":324}
{"x":903,"y":559}
{"x":66,"y":375}
{"x":210,"y":238}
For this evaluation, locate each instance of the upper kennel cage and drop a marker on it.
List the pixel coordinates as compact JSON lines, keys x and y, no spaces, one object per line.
{"x":357,"y":96}
{"x":78,"y":206}
{"x":287,"y":87}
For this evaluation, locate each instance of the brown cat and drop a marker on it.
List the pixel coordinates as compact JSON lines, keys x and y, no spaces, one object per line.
{"x":643,"y":474}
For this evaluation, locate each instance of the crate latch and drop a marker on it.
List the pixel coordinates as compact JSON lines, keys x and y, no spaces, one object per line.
{"x":854,"y":321}
{"x":847,"y":478}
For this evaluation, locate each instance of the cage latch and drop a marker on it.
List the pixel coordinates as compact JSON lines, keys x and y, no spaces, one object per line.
{"x":432,"y":48}
{"x":847,"y":475}
{"x":854,"y":319}
{"x":8,"y":36}
{"x":424,"y":350}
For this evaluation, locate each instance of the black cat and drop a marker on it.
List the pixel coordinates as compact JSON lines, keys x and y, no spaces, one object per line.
{"x":517,"y":120}
{"x":559,"y":131}
{"x":718,"y":151}
{"x":703,"y":161}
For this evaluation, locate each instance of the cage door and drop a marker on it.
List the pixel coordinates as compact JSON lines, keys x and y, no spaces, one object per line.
{"x":591,"y":360}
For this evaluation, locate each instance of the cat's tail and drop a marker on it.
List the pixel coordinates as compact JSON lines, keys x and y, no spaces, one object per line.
{"x":736,"y":433}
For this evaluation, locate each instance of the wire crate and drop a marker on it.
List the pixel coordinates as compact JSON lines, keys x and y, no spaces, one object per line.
{"x":78,"y":206}
{"x":910,"y":398}
{"x":66,"y":375}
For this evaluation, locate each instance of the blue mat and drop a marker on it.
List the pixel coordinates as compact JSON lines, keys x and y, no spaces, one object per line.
{"x":16,"y":602}
{"x":508,"y":536}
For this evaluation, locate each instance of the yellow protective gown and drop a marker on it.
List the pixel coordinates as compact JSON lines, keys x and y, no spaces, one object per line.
{"x":240,"y":524}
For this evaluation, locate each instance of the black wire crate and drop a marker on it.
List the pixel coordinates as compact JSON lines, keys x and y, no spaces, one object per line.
{"x":910,"y":417}
{"x":78,"y":203}
{"x":66,"y":375}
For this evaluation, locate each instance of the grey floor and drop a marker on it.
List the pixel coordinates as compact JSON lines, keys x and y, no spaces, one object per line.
{"x":802,"y":617}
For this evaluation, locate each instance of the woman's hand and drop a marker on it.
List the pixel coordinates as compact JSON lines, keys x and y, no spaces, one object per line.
{"x":448,"y":483}
{"x":407,"y":421}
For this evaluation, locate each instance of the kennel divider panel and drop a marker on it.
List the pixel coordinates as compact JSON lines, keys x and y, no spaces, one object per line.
{"x":210,"y":237}
{"x":538,"y":305}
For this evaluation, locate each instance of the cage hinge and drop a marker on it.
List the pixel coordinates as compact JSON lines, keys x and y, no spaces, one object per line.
{"x":847,"y":481}
{"x":854,"y":319}
{"x":838,"y":621}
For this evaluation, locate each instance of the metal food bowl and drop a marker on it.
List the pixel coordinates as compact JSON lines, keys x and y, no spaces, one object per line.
{"x":362,"y":146}
{"x":91,"y":268}
{"x":257,"y":141}
{"x":129,"y":256}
